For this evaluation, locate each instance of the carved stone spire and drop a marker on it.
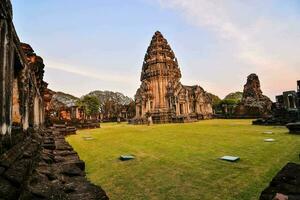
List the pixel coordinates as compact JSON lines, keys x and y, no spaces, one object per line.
{"x":161,"y":96}
{"x":160,"y":59}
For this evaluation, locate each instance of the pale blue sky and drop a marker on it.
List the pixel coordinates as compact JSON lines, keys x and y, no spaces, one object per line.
{"x":100,"y":44}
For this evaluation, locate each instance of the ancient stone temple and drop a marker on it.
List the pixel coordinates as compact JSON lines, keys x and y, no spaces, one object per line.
{"x":254,"y":103}
{"x":161,"y":95}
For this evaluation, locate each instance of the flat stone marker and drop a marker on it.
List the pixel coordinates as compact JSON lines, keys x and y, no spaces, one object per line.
{"x":88,"y":138}
{"x":126,"y":157}
{"x":230,"y":158}
{"x":269,"y":140}
{"x":268,"y":132}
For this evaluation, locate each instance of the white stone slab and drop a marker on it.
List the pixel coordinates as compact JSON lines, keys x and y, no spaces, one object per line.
{"x":230,"y":158}
{"x":268,"y":132}
{"x":269,"y":140}
{"x":88,"y":138}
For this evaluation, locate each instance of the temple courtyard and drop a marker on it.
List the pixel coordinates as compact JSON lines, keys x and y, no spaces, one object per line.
{"x":181,"y":161}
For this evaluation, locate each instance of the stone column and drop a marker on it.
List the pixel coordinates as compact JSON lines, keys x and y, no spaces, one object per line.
{"x":36,"y":111}
{"x":148,"y":104}
{"x":137,"y":110}
{"x":3,"y":49}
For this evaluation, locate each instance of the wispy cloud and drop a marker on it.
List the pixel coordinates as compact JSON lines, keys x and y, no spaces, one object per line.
{"x":269,"y":44}
{"x":89,"y":72}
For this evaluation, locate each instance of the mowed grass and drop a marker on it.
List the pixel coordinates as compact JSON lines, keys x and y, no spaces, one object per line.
{"x":180,"y":161}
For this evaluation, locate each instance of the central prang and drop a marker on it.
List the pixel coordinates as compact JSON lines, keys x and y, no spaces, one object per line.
{"x":161,"y":95}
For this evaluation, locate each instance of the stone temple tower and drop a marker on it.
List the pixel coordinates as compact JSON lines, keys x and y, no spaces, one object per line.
{"x":161,"y":95}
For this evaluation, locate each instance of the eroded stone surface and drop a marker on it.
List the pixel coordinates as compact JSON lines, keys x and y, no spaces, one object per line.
{"x":253,"y":103}
{"x":286,"y":182}
{"x":161,"y":95}
{"x":38,"y":172}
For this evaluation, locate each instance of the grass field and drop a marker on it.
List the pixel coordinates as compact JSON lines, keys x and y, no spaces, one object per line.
{"x":180,"y":161}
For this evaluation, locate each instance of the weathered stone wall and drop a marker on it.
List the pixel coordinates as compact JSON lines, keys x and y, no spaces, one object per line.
{"x":21,"y":78}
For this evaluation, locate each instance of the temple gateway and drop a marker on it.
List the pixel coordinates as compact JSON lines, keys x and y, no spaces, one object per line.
{"x":161,"y":95}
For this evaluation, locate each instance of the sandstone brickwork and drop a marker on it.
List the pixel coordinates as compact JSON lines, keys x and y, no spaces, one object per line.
{"x":253,"y":103}
{"x":161,"y":95}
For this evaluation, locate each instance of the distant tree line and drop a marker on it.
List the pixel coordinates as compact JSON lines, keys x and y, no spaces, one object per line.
{"x":107,"y":106}
{"x":227,"y":105}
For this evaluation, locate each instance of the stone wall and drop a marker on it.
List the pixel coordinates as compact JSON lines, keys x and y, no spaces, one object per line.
{"x":21,"y":88}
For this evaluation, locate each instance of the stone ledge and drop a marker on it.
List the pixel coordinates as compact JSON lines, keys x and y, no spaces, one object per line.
{"x":45,"y":168}
{"x":286,"y":182}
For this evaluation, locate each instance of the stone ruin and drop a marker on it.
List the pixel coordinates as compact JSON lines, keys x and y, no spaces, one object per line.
{"x":285,"y":184}
{"x":161,"y":97}
{"x":59,"y":113}
{"x":253,"y":104}
{"x":285,"y":110}
{"x":35,"y":162}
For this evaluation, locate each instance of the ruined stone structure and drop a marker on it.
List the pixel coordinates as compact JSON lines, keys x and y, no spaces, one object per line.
{"x":289,"y":100}
{"x":253,"y":104}
{"x":35,"y":163}
{"x":161,"y":95}
{"x":22,"y":86}
{"x":285,"y":110}
{"x":286,"y":184}
{"x":59,"y":111}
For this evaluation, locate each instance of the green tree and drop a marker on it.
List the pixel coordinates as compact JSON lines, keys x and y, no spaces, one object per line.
{"x":90,"y":104}
{"x":236,"y":96}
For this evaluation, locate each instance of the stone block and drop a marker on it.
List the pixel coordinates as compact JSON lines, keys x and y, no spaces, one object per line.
{"x":7,"y":190}
{"x":126,"y":157}
{"x":294,"y":127}
{"x":230,"y":158}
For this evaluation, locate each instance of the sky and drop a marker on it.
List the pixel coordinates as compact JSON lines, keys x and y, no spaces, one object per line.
{"x":100,"y":44}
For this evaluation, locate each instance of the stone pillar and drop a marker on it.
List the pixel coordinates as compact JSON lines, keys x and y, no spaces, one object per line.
{"x":36,"y":111}
{"x":16,"y":117}
{"x":137,"y":112}
{"x":142,"y":110}
{"x":3,"y":60}
{"x":41,"y":113}
{"x":148,"y":104}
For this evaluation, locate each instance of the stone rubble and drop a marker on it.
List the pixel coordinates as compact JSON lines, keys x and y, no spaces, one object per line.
{"x":45,"y":166}
{"x":286,"y":182}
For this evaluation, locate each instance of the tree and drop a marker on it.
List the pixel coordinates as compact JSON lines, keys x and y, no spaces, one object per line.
{"x":237,"y":96}
{"x":90,"y":104}
{"x":215,"y":100}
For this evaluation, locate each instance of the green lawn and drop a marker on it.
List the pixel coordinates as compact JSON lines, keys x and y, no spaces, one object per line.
{"x":180,"y":161}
